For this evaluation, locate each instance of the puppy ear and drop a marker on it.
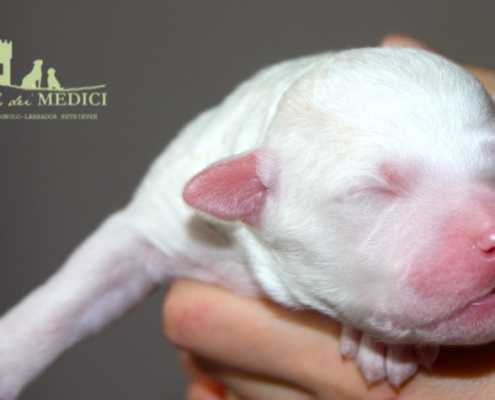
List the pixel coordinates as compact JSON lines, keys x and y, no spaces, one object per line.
{"x":231,"y":190}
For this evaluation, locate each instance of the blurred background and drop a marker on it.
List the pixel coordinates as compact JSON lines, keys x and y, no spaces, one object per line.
{"x":163,"y":62}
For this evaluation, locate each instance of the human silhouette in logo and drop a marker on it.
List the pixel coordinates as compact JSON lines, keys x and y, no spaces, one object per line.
{"x":33,"y":79}
{"x":53,"y":83}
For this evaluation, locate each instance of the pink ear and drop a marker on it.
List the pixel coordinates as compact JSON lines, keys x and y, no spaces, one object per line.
{"x":231,"y":190}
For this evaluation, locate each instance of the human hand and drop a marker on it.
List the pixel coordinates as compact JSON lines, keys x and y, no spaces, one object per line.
{"x":261,"y":351}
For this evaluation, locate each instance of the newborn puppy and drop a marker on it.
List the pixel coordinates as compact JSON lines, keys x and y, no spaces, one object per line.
{"x":360,"y":184}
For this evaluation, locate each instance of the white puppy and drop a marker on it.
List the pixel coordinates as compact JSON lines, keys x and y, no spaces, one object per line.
{"x":360,"y":184}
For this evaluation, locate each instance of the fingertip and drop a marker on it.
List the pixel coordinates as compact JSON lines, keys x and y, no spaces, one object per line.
{"x":200,"y":389}
{"x":394,"y":39}
{"x":399,"y":39}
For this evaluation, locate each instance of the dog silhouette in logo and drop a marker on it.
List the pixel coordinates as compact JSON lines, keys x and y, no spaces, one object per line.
{"x":33,"y":79}
{"x":53,"y":82}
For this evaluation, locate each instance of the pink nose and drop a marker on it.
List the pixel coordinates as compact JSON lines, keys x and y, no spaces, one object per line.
{"x":486,"y":242}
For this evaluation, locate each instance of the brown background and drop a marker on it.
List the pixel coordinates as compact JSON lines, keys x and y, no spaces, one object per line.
{"x":163,"y":61}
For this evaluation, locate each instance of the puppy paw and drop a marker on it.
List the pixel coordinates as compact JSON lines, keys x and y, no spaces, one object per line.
{"x":379,"y":361}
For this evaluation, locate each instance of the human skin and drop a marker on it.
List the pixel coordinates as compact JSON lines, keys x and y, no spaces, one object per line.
{"x":240,"y":348}
{"x":261,"y":351}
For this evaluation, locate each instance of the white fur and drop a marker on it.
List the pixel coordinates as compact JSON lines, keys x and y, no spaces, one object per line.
{"x":333,"y":235}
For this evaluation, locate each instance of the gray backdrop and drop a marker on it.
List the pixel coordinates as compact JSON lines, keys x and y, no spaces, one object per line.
{"x":163,"y":62}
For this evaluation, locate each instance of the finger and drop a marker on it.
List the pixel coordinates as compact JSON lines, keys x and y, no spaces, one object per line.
{"x":203,"y":388}
{"x":241,"y":385}
{"x":398,"y":39}
{"x":206,"y":325}
{"x":246,"y":386}
{"x":232,"y":396}
{"x":261,"y":338}
{"x":243,"y":389}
